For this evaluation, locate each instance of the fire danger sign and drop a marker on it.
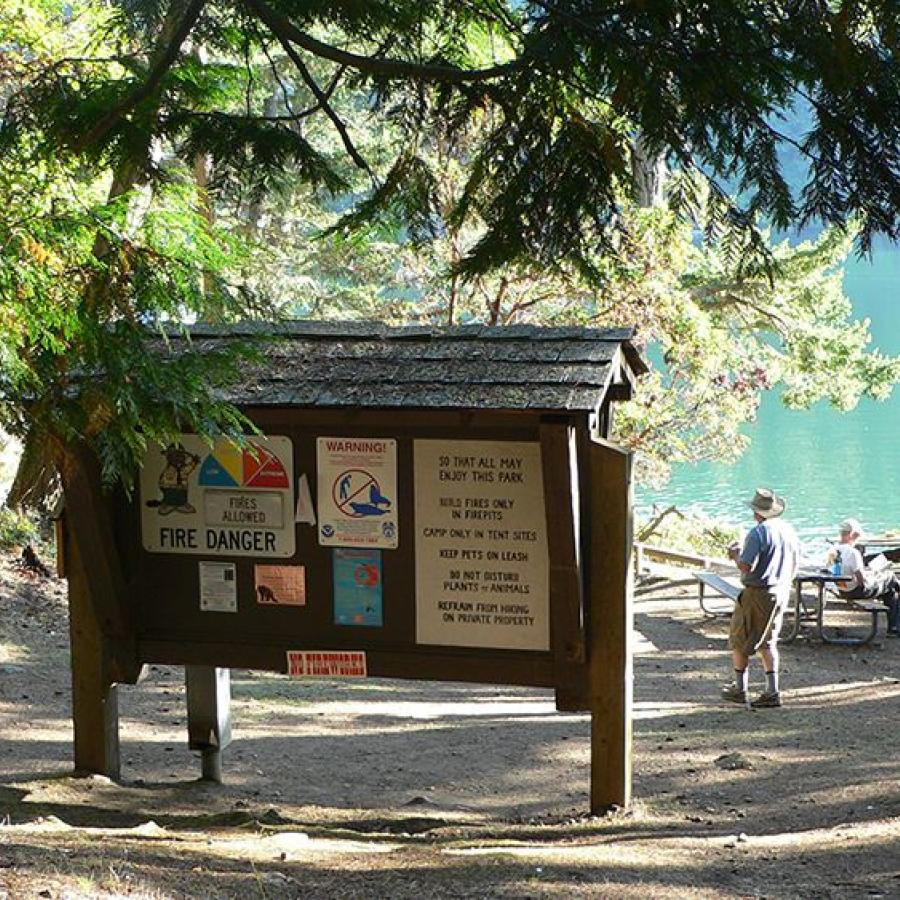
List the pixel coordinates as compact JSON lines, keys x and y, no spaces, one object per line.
{"x":228,"y":500}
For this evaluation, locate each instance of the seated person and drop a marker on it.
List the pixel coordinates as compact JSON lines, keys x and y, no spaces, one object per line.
{"x":866,"y":584}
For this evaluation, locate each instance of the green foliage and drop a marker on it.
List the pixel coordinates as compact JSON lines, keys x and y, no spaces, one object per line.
{"x":257,"y":156}
{"x":16,"y":529}
{"x":707,"y":86}
{"x":438,"y":161}
{"x":718,"y":331}
{"x":94,"y":268}
{"x":689,"y":532}
{"x":724,"y":336}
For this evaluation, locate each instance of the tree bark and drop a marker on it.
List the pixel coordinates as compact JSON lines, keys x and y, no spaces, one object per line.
{"x":649,"y":174}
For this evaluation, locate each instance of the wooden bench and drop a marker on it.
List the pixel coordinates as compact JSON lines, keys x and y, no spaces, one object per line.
{"x":719,"y":585}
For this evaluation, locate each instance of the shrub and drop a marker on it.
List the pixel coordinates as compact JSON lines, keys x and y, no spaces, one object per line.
{"x":687,"y":531}
{"x":17,"y":529}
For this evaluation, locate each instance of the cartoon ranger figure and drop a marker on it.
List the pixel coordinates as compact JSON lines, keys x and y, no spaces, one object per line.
{"x":173,"y":481}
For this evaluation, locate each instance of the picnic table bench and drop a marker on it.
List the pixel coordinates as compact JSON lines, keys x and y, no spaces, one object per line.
{"x":873,"y":607}
{"x":811,"y":608}
{"x":719,"y":585}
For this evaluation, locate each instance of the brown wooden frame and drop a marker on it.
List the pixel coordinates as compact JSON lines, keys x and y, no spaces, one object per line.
{"x":588,"y":510}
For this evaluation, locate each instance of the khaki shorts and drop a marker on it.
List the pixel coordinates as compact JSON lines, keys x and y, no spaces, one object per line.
{"x":756,"y":620}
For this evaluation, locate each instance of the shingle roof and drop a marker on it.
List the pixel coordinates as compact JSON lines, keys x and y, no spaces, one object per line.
{"x":343,"y":364}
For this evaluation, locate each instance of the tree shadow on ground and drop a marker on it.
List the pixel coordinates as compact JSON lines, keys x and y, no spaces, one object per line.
{"x":444,"y":763}
{"x":224,"y":869}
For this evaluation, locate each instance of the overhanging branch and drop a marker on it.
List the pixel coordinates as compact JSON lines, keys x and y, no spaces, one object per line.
{"x":285,"y":30}
{"x":171,"y":45}
{"x":324,"y":105}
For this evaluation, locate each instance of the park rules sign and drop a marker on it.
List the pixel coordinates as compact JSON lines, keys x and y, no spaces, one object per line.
{"x":482,"y":574}
{"x":227,"y":500}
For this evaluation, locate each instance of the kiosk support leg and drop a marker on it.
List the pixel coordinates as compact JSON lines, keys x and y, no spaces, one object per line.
{"x":610,"y":663}
{"x":95,"y":714}
{"x":209,"y":716}
{"x":95,"y":702}
{"x":562,"y":499}
{"x":101,"y":626}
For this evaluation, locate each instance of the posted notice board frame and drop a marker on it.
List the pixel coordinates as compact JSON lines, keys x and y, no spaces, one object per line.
{"x":587,"y":492}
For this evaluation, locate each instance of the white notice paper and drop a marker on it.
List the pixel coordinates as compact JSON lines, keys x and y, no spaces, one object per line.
{"x":305,"y":514}
{"x":482,"y":574}
{"x":218,"y":587}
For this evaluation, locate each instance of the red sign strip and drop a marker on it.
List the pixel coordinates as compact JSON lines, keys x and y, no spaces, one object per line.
{"x":326,"y":663}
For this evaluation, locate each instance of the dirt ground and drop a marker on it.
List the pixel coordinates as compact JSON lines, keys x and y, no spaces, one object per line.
{"x":404,"y":789}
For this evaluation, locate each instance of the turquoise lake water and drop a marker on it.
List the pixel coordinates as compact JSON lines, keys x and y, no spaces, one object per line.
{"x":828,"y":465}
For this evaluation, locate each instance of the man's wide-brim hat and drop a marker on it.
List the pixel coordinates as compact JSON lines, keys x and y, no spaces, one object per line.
{"x":767,"y":503}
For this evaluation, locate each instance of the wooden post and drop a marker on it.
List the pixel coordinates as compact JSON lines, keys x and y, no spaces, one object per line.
{"x":638,"y":559}
{"x":610,"y":624}
{"x":561,"y":501}
{"x":90,"y":534}
{"x":95,"y":708}
{"x":209,"y":716}
{"x":59,"y":527}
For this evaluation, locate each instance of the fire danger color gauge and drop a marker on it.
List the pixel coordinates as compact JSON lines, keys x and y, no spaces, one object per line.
{"x":251,"y":466}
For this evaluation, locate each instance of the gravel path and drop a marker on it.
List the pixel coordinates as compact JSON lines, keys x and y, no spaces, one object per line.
{"x":407,"y":789}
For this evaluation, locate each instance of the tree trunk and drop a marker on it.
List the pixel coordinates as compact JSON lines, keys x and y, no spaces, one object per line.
{"x":649,"y":173}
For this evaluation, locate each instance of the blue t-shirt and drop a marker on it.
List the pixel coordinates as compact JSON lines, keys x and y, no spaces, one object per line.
{"x":772,"y":550}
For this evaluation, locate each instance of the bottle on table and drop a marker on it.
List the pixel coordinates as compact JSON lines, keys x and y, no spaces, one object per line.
{"x":836,"y":567}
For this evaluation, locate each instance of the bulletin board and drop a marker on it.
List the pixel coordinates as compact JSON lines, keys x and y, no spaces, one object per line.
{"x":426,"y":553}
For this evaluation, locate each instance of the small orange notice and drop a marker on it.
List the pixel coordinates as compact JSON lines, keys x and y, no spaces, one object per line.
{"x":326,"y":663}
{"x":280,"y":585}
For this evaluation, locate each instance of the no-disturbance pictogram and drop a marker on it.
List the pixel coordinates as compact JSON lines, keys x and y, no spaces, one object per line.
{"x":357,"y":494}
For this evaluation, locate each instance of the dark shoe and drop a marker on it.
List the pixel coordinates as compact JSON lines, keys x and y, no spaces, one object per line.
{"x":734,"y":694}
{"x":766,"y":700}
{"x":893,"y":632}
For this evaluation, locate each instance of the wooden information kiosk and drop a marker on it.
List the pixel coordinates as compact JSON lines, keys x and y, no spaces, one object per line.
{"x":430,"y":503}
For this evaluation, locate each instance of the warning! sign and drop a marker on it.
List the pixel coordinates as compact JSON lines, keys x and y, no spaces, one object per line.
{"x":326,"y":663}
{"x":357,"y":492}
{"x":226,"y":501}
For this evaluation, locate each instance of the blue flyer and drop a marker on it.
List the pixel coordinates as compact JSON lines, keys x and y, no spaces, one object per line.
{"x":357,"y":586}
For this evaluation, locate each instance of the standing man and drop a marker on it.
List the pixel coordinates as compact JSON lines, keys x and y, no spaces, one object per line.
{"x":768,"y":563}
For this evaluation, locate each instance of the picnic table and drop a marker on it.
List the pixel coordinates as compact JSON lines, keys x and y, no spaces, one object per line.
{"x":872,"y":547}
{"x":717,"y":584}
{"x":811,"y":608}
{"x":807,"y":607}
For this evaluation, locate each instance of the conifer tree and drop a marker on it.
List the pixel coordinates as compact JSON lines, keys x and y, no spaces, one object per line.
{"x":105,"y":239}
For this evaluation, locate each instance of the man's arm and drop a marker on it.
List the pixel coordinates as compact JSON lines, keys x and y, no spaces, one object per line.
{"x":859,"y":576}
{"x":743,"y":559}
{"x":735,"y":554}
